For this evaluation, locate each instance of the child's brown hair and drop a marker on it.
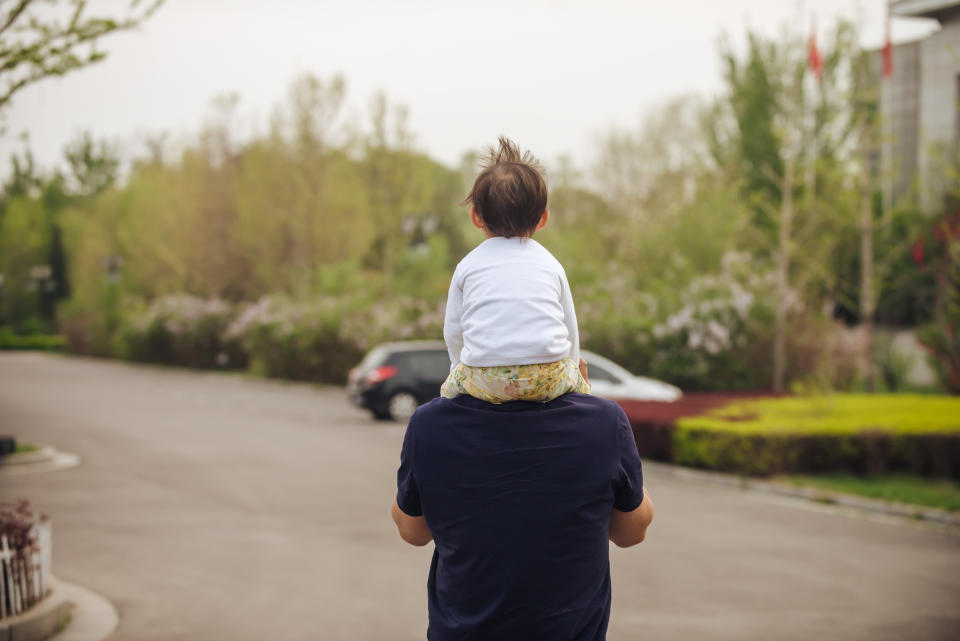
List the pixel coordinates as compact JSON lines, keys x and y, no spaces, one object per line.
{"x":510,"y":194}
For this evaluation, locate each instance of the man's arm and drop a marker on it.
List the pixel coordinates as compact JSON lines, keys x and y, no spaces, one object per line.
{"x":630,"y":528}
{"x":413,"y":529}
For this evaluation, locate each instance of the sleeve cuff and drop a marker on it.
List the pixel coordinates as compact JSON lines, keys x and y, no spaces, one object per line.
{"x":410,"y":508}
{"x":629,"y":506}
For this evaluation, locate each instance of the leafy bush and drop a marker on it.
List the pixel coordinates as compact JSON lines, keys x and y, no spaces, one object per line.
{"x":397,"y":319}
{"x":321,"y":340}
{"x":9,"y":340}
{"x":942,"y":337}
{"x":300,"y":341}
{"x":182,"y":330}
{"x":90,"y":323}
{"x":716,"y":336}
{"x":842,"y":433}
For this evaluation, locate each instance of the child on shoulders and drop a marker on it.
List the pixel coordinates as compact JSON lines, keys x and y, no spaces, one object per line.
{"x":510,"y":324}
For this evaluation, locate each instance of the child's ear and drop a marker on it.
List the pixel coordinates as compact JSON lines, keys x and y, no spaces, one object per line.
{"x":544,"y":217}
{"x":475,"y":218}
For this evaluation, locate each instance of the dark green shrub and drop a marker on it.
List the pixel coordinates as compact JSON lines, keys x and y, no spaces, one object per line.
{"x":45,"y":342}
{"x":873,"y":453}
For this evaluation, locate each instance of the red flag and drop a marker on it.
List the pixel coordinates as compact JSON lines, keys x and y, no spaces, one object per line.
{"x":814,"y":59}
{"x":888,"y":49}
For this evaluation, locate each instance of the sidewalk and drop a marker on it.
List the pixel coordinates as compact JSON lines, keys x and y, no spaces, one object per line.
{"x":69,"y":613}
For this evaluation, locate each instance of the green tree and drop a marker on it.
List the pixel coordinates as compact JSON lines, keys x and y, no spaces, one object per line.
{"x":795,"y":143}
{"x":37,"y":42}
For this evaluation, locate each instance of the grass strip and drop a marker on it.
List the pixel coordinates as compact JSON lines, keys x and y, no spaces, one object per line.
{"x":901,"y":488}
{"x":23,"y":448}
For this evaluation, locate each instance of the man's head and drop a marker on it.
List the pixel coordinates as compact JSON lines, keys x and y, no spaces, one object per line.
{"x":510,"y":195}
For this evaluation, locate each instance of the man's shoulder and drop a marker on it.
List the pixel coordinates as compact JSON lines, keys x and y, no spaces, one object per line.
{"x":574,"y":404}
{"x":577,"y":399}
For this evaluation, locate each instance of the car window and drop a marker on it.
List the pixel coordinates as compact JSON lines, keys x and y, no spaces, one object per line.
{"x":597,"y":373}
{"x":373,"y":359}
{"x":428,"y":364}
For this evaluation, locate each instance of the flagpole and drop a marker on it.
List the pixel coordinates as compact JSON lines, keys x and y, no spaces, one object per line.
{"x":810,"y":175}
{"x":887,"y":122}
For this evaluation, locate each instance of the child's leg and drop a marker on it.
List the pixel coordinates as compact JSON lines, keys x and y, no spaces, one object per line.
{"x":453,"y":386}
{"x":541,"y":382}
{"x":491,"y":384}
{"x":558,"y":378}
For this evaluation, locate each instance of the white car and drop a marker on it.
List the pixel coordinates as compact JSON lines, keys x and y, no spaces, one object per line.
{"x":609,"y":380}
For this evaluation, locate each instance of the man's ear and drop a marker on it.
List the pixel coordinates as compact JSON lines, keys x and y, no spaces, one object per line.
{"x":544,"y":217}
{"x":475,"y":218}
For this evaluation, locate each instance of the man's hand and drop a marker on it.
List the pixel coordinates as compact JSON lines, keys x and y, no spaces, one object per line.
{"x":413,"y":529}
{"x":630,"y":528}
{"x":583,"y":370}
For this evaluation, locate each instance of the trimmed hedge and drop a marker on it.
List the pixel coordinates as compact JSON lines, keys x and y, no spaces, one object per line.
{"x":44,"y":342}
{"x":834,"y":414}
{"x":858,"y":434}
{"x":871,"y":452}
{"x":653,"y":422}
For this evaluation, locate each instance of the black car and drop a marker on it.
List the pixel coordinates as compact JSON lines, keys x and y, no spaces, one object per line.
{"x":395,"y":378}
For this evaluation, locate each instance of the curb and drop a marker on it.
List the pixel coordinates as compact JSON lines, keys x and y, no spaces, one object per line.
{"x":913,"y":513}
{"x":69,"y":613}
{"x":42,"y":454}
{"x":46,"y":459}
{"x":39,"y":622}
{"x":93,"y":617}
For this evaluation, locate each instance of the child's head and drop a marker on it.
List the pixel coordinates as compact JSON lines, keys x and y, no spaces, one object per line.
{"x":510,"y":194}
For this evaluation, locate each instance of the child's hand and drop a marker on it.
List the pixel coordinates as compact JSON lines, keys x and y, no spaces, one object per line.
{"x":583,"y":370}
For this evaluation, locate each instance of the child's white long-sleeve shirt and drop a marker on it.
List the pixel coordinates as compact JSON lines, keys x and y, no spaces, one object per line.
{"x":510,"y":304}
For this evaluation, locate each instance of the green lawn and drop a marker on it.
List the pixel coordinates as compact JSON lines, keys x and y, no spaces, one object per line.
{"x":23,"y":448}
{"x":833,"y":414}
{"x":943,"y":494}
{"x":9,"y":340}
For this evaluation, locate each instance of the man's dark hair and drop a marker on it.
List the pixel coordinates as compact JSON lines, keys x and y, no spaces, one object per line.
{"x":510,"y":193}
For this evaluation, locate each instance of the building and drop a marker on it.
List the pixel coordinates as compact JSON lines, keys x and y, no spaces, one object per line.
{"x":921,"y":108}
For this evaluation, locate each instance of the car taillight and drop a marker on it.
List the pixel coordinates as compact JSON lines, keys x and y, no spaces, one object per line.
{"x":379,"y":374}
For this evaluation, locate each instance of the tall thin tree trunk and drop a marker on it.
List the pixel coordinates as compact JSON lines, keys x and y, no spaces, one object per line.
{"x":783,"y":275}
{"x":867,"y":302}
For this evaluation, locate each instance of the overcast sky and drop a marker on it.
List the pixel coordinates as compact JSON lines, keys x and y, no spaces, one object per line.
{"x":549,"y":74}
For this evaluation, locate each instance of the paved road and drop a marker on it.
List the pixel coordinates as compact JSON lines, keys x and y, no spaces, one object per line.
{"x":218,"y":507}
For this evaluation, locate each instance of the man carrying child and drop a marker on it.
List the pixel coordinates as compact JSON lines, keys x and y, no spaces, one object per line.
{"x":517,"y":474}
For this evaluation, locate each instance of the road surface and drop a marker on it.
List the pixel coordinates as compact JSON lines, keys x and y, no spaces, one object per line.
{"x":213,"y":506}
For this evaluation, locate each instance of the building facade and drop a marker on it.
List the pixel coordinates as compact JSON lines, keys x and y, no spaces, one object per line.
{"x":920,"y":104}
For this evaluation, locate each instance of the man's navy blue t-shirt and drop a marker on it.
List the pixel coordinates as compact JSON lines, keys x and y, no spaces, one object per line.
{"x":518,"y":497}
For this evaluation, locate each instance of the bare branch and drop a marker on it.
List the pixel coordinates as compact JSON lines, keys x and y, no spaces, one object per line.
{"x":14,"y":14}
{"x":51,"y":48}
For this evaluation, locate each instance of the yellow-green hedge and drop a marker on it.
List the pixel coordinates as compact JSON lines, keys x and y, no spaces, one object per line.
{"x":837,"y":433}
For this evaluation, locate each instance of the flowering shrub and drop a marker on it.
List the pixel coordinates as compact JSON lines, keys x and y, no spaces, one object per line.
{"x":16,"y":523}
{"x":25,"y":574}
{"x":716,"y":333}
{"x":322,"y":339}
{"x":182,"y":330}
{"x":713,"y":339}
{"x":707,"y":343}
{"x":403,"y":318}
{"x":300,"y":341}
